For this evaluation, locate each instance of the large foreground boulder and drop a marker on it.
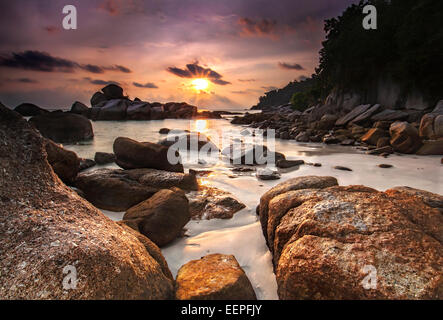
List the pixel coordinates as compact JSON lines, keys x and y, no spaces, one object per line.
{"x":131,"y":154}
{"x":65,"y":163}
{"x":213,"y":277}
{"x":63,"y":127}
{"x":118,"y":190}
{"x":54,"y":244}
{"x":162,"y":217}
{"x":355,"y":243}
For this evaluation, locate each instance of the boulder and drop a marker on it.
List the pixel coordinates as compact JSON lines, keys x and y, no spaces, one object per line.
{"x":138,"y":111}
{"x":63,"y":127}
{"x":373,"y":135}
{"x":118,"y":190}
{"x":80,"y":108}
{"x":404,"y":137}
{"x":193,"y":141}
{"x":365,"y":116}
{"x":58,"y":245}
{"x":112,"y":189}
{"x":431,"y":147}
{"x":131,"y":154}
{"x":113,"y":110}
{"x":383,"y":142}
{"x":29,"y":110}
{"x":251,"y":154}
{"x":431,"y":124}
{"x":326,"y":122}
{"x":284,"y":164}
{"x":162,"y":217}
{"x":267,"y":174}
{"x":212,"y":203}
{"x":213,"y":277}
{"x":326,"y":242}
{"x":352,"y":115}
{"x":97,"y":98}
{"x":164,"y":131}
{"x":158,"y":113}
{"x":113,"y":91}
{"x":390,"y":115}
{"x":65,"y":163}
{"x":302,"y":137}
{"x":104,"y":158}
{"x":306,"y":182}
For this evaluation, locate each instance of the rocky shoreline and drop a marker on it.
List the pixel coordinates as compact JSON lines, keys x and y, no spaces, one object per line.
{"x":321,"y":235}
{"x":373,"y":128}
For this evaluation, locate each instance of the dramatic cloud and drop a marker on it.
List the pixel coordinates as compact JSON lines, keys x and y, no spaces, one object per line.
{"x":290,"y":66}
{"x":148,"y":85}
{"x":263,"y":27}
{"x":100,"y":82}
{"x":37,"y":61}
{"x":193,"y":70}
{"x":42,"y":61}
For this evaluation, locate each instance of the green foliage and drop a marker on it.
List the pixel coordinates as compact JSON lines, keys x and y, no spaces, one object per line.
{"x":407,"y":45}
{"x":300,"y":101}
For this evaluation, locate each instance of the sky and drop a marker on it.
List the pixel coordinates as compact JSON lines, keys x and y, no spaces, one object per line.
{"x":155,"y":49}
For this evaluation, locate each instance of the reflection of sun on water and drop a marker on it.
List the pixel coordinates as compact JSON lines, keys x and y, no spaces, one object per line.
{"x":201,"y":125}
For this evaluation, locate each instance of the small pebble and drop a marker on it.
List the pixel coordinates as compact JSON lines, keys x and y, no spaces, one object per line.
{"x":385,"y":166}
{"x":342,"y":168}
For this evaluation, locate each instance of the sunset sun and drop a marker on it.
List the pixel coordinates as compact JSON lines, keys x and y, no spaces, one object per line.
{"x":200,"y":84}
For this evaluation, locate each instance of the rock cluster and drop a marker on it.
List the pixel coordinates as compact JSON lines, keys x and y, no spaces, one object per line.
{"x":375,"y":126}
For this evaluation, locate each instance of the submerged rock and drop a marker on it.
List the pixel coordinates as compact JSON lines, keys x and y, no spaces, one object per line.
{"x":131,"y":154}
{"x":63,"y":127}
{"x":213,"y":277}
{"x":326,"y":241}
{"x":161,"y":218}
{"x":212,"y":203}
{"x":284,"y":164}
{"x":251,"y":154}
{"x":48,"y":234}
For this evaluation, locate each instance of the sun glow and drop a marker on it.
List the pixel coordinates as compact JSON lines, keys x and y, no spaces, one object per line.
{"x":200,"y":84}
{"x":201,"y":125}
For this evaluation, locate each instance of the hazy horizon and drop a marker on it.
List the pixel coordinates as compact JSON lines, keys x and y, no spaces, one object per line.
{"x":155,"y":49}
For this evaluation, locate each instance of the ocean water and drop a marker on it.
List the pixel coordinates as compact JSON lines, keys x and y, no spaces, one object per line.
{"x":242,"y":235}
